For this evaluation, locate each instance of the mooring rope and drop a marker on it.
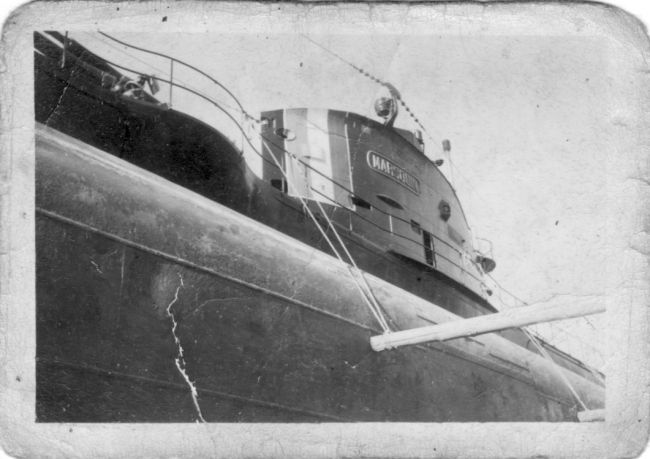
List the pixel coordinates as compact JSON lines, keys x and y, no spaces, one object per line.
{"x":371,"y":301}
{"x":368,"y":293}
{"x":556,"y":367}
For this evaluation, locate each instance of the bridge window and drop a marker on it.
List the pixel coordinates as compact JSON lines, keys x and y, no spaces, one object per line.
{"x":280,"y":184}
{"x":390,"y":201}
{"x":357,"y":201}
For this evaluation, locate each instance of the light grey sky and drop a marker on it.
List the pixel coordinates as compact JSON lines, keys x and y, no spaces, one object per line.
{"x":527,"y":117}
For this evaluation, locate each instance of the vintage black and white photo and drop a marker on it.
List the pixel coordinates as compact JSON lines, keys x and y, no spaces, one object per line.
{"x":324,"y":215}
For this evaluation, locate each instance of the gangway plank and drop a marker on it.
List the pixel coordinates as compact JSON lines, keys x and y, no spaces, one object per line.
{"x":512,"y":318}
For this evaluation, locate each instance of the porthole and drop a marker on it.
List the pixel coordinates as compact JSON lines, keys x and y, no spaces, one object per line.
{"x":445,"y":210}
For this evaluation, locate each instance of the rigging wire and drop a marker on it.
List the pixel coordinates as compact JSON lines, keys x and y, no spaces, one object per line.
{"x":551,"y":326}
{"x":557,"y":367}
{"x":370,"y":76}
{"x":371,"y":296}
{"x":366,"y":294}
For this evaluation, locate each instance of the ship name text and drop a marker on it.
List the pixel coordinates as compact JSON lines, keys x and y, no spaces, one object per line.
{"x":386,"y":167}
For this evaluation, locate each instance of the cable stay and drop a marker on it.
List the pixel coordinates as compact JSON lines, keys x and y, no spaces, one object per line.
{"x":554,"y":326}
{"x":355,"y":272}
{"x":584,"y":415}
{"x":379,"y":81}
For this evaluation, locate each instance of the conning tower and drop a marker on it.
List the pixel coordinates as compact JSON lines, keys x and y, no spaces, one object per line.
{"x":380,"y":184}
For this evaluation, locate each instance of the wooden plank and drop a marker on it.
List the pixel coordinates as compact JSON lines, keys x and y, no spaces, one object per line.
{"x":512,"y":318}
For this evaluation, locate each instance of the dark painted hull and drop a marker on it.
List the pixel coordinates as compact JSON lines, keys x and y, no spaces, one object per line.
{"x":111,"y":253}
{"x":268,"y":334}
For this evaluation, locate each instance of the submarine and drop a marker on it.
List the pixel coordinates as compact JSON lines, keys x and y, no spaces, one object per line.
{"x":175,"y":284}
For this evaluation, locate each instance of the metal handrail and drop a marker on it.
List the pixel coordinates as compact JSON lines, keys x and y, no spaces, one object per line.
{"x":173,"y":59}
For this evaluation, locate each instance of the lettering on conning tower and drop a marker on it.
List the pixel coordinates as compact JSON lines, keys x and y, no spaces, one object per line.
{"x":391,"y":170}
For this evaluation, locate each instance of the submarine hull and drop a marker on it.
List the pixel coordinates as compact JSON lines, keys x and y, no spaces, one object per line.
{"x":138,"y":278}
